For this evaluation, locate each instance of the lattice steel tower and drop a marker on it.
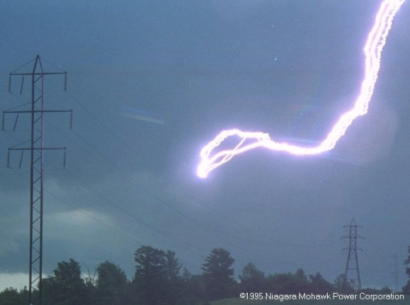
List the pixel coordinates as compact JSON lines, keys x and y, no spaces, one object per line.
{"x":36,"y":150}
{"x":352,"y":263}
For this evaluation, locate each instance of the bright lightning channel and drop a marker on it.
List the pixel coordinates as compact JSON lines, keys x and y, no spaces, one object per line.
{"x":376,"y":40}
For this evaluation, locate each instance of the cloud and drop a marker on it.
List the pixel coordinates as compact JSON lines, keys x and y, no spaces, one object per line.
{"x":74,"y":221}
{"x":14,"y":218}
{"x":15,"y":280}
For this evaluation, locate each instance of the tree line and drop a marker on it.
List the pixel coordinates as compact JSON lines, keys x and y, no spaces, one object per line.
{"x":159,"y":279}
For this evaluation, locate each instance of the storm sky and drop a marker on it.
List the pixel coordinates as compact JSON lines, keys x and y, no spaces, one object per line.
{"x":151,"y":82}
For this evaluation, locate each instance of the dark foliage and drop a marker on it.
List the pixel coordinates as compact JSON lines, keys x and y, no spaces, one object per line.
{"x":406,"y":289}
{"x":299,"y":282}
{"x":252,"y":279}
{"x":384,"y":290}
{"x":65,"y":287}
{"x":11,"y":296}
{"x":158,"y":281}
{"x":218,"y":274}
{"x":111,"y":284}
{"x":193,"y":288}
{"x":319,"y":285}
{"x":343,"y":286}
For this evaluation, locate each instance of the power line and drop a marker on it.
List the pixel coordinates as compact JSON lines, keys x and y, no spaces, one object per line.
{"x":188,"y":217}
{"x":131,"y":215}
{"x":158,"y":199}
{"x":155,"y":196}
{"x":88,"y":215}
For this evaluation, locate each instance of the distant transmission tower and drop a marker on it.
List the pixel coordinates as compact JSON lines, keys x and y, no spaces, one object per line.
{"x":36,"y":150}
{"x":352,"y":263}
{"x":396,"y":272}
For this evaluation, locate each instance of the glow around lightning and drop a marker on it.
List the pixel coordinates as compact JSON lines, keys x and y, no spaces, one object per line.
{"x":211,"y":159}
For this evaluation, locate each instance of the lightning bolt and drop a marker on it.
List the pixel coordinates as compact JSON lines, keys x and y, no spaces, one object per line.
{"x":211,"y":159}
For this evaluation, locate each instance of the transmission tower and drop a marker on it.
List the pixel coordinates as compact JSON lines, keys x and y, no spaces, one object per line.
{"x":36,"y":149}
{"x":352,"y":263}
{"x":395,"y":272}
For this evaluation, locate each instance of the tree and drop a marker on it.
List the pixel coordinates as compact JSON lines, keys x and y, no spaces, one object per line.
{"x":90,"y":280}
{"x":65,"y":287}
{"x":281,"y":283}
{"x":193,"y":287}
{"x":252,"y":279}
{"x":288,"y":283}
{"x":218,"y":274}
{"x":319,"y":285}
{"x":111,"y":284}
{"x":343,"y":286}
{"x":172,"y":278}
{"x":172,"y":266}
{"x":406,"y":289}
{"x":149,"y":274}
{"x":383,"y":290}
{"x":157,"y":276}
{"x":10,"y":296}
{"x":386,"y":290}
{"x":301,"y":281}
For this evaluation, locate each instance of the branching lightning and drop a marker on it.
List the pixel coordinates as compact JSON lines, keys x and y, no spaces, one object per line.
{"x":376,"y":40}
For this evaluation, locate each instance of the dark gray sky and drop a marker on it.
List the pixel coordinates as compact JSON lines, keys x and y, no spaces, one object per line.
{"x":286,"y":67}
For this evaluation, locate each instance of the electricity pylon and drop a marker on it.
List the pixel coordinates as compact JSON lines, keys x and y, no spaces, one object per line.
{"x":36,"y":150}
{"x":352,"y":263}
